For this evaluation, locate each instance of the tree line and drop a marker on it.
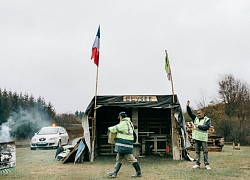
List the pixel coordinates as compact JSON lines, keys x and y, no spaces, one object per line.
{"x":24,"y":114}
{"x":230,"y":112}
{"x":12,"y":102}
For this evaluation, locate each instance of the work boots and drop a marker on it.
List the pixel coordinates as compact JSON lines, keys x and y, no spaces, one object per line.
{"x":117,"y":168}
{"x":137,"y":169}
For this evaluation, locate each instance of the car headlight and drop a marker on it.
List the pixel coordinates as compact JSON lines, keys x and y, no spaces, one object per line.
{"x":52,"y":138}
{"x":33,"y":139}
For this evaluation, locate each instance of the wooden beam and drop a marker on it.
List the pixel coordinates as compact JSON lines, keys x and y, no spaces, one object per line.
{"x":175,"y":138}
{"x":135,"y":121}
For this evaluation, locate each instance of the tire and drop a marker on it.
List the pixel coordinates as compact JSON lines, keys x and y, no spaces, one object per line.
{"x":59,"y":143}
{"x":32,"y":148}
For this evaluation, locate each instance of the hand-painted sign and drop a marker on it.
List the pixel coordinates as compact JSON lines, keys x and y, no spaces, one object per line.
{"x":139,"y":98}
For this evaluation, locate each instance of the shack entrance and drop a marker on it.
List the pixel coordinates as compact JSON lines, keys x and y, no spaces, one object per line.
{"x":157,"y":119}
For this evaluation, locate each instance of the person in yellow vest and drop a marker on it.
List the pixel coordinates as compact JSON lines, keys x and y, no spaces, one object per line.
{"x":200,"y":134}
{"x":124,"y":145}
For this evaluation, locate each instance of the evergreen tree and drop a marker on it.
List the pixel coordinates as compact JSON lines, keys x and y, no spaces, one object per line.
{"x":6,"y":105}
{"x":24,"y":114}
{"x":2,"y":120}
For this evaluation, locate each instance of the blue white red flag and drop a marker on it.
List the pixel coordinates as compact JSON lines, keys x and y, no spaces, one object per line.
{"x":96,"y":48}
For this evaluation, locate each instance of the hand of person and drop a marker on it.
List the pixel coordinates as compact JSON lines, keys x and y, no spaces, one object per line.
{"x":188,"y":102}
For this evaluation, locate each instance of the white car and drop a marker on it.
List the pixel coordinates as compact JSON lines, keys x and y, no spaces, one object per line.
{"x":49,"y":137}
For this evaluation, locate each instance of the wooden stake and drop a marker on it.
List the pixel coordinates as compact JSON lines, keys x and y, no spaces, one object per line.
{"x":175,"y":134}
{"x":172,"y":84}
{"x":94,"y":121}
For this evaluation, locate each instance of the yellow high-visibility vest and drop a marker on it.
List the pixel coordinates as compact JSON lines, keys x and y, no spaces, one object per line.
{"x":124,"y":129}
{"x":197,"y":133}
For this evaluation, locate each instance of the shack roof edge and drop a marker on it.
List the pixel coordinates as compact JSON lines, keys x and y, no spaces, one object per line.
{"x":143,"y":101}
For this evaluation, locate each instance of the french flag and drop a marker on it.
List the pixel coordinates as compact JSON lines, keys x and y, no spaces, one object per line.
{"x":96,"y":48}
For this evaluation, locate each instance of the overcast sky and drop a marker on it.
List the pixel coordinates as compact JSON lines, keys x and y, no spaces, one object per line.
{"x":45,"y":48}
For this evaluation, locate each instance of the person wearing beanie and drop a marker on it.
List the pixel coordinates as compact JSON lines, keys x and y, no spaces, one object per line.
{"x":124,"y":145}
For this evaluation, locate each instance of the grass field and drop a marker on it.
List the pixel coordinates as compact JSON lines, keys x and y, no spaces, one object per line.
{"x":40,"y":164}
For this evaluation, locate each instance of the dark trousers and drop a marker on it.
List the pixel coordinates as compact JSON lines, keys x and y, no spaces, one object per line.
{"x":198,"y":145}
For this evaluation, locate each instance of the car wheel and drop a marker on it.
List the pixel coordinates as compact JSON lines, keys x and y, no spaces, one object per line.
{"x":59,"y":144}
{"x":32,"y":148}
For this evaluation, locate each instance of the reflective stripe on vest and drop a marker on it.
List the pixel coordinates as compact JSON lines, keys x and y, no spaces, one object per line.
{"x":126,"y":133}
{"x":124,"y":145}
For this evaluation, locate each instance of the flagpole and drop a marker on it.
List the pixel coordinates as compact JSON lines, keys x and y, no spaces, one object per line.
{"x":94,"y":119}
{"x":172,"y":84}
{"x":175,"y":135}
{"x":95,"y":55}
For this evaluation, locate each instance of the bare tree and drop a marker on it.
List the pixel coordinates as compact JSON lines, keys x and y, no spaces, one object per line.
{"x":203,"y":100}
{"x":235,"y":94}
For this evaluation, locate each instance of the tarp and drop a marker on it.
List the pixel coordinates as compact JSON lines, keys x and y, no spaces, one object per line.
{"x":181,"y":121}
{"x":142,"y":101}
{"x":149,"y":101}
{"x":86,"y":133}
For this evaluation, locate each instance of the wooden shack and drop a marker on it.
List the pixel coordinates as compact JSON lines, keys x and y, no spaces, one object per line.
{"x":160,"y":125}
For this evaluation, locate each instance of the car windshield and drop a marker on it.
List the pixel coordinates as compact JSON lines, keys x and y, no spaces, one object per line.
{"x":48,"y":131}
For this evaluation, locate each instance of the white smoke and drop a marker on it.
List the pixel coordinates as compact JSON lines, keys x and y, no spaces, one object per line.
{"x":5,"y":133}
{"x":24,"y":123}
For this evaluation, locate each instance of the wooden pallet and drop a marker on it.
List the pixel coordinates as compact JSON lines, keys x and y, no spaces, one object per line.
{"x":155,"y":139}
{"x":107,"y":149}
